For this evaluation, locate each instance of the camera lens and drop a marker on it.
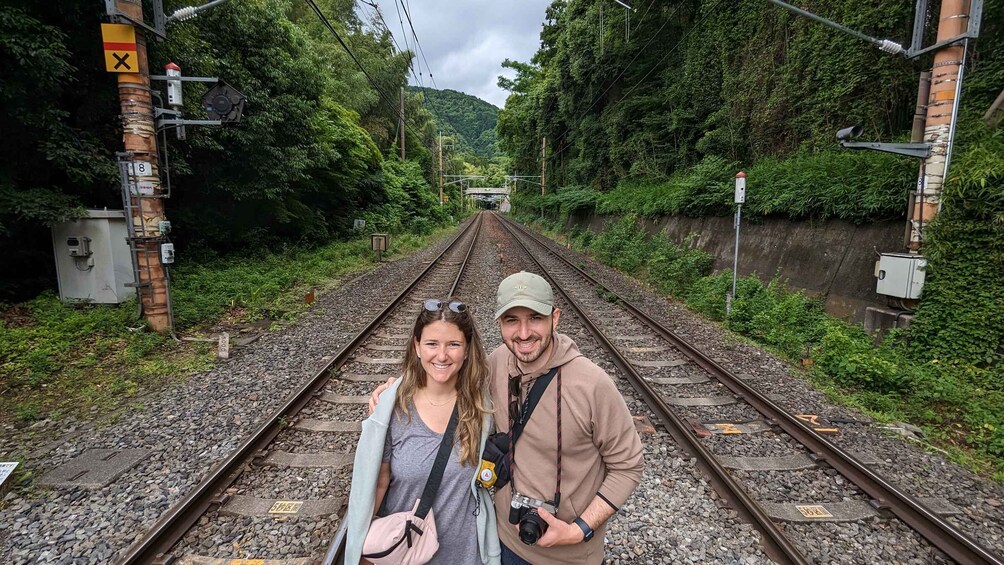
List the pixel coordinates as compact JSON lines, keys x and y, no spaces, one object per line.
{"x":531,"y":527}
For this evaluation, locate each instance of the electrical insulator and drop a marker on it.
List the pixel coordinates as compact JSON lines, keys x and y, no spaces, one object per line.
{"x":890,"y":46}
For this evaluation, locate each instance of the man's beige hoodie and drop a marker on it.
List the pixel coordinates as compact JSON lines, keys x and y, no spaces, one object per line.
{"x":600,"y":449}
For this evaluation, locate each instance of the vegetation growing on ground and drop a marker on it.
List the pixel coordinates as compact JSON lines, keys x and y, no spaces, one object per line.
{"x":636,"y":130}
{"x":58,"y":359}
{"x":954,"y":392}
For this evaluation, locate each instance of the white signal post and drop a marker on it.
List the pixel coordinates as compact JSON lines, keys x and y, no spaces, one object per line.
{"x":739,"y":200}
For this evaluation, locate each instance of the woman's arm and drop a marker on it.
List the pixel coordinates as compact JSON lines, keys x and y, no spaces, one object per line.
{"x":383,"y":481}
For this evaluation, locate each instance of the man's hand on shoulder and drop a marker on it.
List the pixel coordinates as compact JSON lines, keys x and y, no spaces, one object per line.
{"x":558,"y":532}
{"x":375,"y":397}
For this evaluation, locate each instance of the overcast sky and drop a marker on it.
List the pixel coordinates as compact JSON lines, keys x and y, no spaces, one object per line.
{"x":465,"y":41}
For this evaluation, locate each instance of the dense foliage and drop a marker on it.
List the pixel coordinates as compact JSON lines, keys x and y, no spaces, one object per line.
{"x":661,"y":122}
{"x":315,"y":148}
{"x":469,"y":120}
{"x":694,"y":79}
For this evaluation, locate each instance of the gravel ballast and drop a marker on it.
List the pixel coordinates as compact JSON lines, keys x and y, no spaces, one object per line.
{"x":673,"y":517}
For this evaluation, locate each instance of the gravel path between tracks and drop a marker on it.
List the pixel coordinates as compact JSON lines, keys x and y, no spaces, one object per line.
{"x":188,"y":427}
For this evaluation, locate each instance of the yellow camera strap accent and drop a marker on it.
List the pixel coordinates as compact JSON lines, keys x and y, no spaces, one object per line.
{"x":486,"y":474}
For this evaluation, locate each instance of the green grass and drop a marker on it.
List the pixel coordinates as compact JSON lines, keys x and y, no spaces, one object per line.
{"x":69,"y":359}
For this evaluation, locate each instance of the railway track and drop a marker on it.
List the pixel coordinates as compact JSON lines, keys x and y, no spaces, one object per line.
{"x":690,"y":401}
{"x":295,"y":469}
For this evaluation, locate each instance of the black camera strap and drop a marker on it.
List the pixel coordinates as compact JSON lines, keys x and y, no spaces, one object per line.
{"x":436,"y":476}
{"x":516,"y":428}
{"x":532,"y":398}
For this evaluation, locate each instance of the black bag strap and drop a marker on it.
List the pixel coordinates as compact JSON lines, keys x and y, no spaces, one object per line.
{"x":436,"y":476}
{"x":534,"y":396}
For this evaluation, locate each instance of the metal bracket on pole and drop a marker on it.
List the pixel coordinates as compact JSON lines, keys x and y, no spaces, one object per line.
{"x":939,"y":45}
{"x":972,"y":30}
{"x":159,"y":28}
{"x":185,"y":79}
{"x":175,"y":122}
{"x":918,"y":150}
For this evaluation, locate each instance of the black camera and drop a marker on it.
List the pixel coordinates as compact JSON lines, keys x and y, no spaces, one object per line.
{"x":523,"y":511}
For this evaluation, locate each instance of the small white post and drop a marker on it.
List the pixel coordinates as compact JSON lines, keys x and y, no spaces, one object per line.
{"x":739,"y":199}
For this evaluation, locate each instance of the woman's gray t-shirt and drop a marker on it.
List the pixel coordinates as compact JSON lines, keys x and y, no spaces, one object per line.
{"x":411,"y":449}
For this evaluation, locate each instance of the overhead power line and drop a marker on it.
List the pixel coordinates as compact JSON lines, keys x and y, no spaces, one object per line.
{"x":404,"y":33}
{"x":372,"y":81}
{"x":418,"y":44}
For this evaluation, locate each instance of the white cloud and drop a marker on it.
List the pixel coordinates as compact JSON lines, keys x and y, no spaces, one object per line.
{"x":465,"y":42}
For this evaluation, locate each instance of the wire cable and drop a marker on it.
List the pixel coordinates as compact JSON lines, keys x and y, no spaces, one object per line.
{"x":419,"y":45}
{"x":383,"y":94}
{"x":404,"y":33}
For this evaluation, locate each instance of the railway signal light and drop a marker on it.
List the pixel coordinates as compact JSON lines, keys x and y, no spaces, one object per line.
{"x":223,"y":102}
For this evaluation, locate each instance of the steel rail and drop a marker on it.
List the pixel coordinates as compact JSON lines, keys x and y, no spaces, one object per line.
{"x":885,"y":496}
{"x":174,"y":523}
{"x":777,"y":546}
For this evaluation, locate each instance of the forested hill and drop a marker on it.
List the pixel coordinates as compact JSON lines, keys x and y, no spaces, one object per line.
{"x":470,"y":119}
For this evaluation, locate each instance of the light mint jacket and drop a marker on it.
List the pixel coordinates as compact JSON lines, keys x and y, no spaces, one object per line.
{"x":369,"y":456}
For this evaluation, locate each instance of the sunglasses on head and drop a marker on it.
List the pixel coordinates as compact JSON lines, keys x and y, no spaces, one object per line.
{"x":514,"y":392}
{"x":433,"y":305}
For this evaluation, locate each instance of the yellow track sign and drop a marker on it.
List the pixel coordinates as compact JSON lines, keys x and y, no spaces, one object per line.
{"x":120,"y":48}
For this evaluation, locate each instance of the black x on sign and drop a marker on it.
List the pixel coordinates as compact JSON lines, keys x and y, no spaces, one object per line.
{"x":120,"y":48}
{"x":120,"y":61}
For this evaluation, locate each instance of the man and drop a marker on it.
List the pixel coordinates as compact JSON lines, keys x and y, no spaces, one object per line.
{"x":600,"y":453}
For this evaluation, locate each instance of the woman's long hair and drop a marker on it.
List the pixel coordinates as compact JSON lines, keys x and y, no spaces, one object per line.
{"x":472,"y":381}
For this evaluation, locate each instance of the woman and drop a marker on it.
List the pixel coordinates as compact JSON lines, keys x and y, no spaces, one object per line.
{"x":445,"y":366}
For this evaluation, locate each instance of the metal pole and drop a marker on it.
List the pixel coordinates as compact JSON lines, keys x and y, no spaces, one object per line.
{"x":740,"y":197}
{"x":543,"y":163}
{"x":735,"y":258}
{"x":440,"y":168}
{"x":939,"y":126}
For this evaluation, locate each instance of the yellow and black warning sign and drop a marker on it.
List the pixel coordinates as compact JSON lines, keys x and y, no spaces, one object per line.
{"x":120,"y":48}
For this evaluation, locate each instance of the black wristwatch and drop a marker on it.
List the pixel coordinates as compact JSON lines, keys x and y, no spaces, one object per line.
{"x":587,"y":532}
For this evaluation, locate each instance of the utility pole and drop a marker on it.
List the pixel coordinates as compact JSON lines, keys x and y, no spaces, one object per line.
{"x":942,"y":111}
{"x":440,"y":168}
{"x":401,"y":120}
{"x":543,"y":163}
{"x":147,"y":203}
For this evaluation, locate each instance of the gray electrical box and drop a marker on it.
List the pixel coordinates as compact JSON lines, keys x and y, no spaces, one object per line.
{"x":93,"y":263}
{"x":900,"y":275}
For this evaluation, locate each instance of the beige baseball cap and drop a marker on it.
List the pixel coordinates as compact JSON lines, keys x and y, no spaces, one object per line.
{"x":525,"y":289}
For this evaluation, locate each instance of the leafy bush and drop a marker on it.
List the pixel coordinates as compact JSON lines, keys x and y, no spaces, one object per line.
{"x":772,"y":315}
{"x":707,"y":296}
{"x":847,"y":354}
{"x":574,"y":200}
{"x":674,"y":269}
{"x":857,"y":187}
{"x":622,"y":244}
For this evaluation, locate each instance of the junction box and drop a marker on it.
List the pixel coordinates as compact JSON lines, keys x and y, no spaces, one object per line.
{"x":92,"y":258}
{"x":900,"y":275}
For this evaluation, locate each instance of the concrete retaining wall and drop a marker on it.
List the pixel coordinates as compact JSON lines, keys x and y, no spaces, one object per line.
{"x":834,"y":259}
